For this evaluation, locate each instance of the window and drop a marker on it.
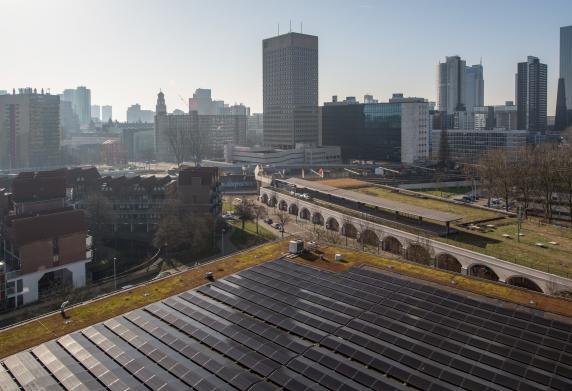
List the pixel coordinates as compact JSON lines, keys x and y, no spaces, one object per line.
{"x":19,"y":286}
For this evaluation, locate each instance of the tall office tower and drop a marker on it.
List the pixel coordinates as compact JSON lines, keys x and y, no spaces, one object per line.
{"x":561,"y":120}
{"x":531,"y":94}
{"x":474,"y":87}
{"x":566,"y":62}
{"x":96,"y":112}
{"x":106,"y":113}
{"x":80,"y":99}
{"x":290,"y":90}
{"x":451,"y":85}
{"x":29,"y":129}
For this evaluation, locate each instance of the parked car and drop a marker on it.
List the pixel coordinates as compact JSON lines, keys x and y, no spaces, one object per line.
{"x":268,"y":221}
{"x":305,"y":196}
{"x":277,"y":226}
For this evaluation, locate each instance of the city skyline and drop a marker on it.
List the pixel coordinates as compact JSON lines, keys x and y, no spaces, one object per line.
{"x":171,"y":46}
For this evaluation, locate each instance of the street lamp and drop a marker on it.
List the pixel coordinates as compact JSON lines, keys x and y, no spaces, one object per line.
{"x":222,"y":241}
{"x":114,"y":274}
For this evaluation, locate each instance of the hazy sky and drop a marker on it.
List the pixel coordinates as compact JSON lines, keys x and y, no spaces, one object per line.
{"x":126,"y":50}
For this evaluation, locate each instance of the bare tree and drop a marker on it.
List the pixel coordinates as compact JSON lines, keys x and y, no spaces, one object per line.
{"x":260,"y":212}
{"x":420,"y":251}
{"x":347,"y":222}
{"x":565,"y":175}
{"x":546,"y":163}
{"x":181,"y":230}
{"x":332,"y":236}
{"x":364,"y":229}
{"x":522,"y":172}
{"x":198,"y":145}
{"x":99,"y":211}
{"x":178,"y":139}
{"x":283,"y":218}
{"x":245,"y":211}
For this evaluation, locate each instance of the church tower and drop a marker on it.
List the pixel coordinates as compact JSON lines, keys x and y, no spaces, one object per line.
{"x":161,"y":107}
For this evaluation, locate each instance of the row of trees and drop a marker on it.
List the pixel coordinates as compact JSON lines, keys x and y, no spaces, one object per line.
{"x":534,"y":175}
{"x":187,"y":144}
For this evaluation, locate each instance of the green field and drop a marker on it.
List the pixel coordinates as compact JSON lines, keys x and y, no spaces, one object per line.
{"x":249,"y":237}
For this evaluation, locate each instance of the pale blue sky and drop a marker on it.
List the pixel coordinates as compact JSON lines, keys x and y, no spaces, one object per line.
{"x":125,"y":50}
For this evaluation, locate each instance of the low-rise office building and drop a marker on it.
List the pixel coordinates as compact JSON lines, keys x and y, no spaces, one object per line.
{"x":301,"y":155}
{"x":468,"y":145}
{"x":397,"y":131}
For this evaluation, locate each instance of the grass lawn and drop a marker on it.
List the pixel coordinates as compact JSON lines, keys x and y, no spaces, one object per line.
{"x":470,"y":214}
{"x":446,"y":192}
{"x":556,"y":259}
{"x":483,"y":287}
{"x":249,"y":237}
{"x":39,"y":331}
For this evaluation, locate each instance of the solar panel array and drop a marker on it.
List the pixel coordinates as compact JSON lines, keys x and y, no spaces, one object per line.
{"x":283,"y":325}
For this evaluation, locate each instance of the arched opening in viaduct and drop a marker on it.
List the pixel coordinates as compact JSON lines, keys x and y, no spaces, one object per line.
{"x":282,"y":205}
{"x":293,"y":209}
{"x":349,"y":230}
{"x":418,"y":254}
{"x":392,"y":245}
{"x":523,"y":282}
{"x":483,"y":271}
{"x":448,"y":262}
{"x":272,"y":201}
{"x":317,"y":218}
{"x":332,"y":224}
{"x":305,"y":214}
{"x":368,"y":237}
{"x":264,"y":198}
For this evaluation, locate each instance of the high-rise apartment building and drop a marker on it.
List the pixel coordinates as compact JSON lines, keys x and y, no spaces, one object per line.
{"x":459,"y":87}
{"x":96,"y":113}
{"x":80,"y":99}
{"x":531,"y":81}
{"x":290,"y":90}
{"x":106,"y":113}
{"x":29,"y":129}
{"x":566,"y":62}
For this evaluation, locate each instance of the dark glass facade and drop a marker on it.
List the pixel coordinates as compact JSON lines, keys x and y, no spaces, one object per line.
{"x":364,"y":131}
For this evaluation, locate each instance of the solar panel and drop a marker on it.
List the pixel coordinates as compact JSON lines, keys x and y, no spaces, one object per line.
{"x":285,"y":325}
